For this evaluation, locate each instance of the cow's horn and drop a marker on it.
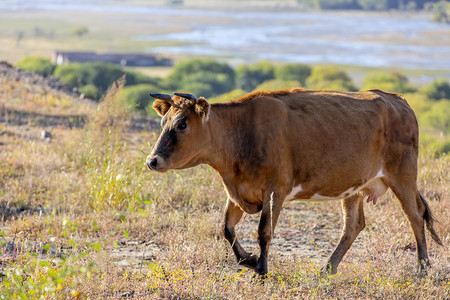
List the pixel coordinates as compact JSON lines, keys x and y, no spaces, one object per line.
{"x":166,"y":97}
{"x":187,"y":96}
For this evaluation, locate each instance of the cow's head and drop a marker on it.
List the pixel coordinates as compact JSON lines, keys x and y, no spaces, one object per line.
{"x":183,"y":131}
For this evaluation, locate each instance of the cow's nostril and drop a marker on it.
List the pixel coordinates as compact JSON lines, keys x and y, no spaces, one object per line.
{"x":152,"y":164}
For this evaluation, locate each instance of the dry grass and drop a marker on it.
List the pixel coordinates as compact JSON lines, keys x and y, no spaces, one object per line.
{"x":81,"y":217}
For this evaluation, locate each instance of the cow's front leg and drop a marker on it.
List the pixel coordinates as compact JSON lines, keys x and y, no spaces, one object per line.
{"x":233,"y":214}
{"x":269,"y":217}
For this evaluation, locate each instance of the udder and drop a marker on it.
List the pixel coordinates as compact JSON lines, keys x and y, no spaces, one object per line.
{"x":374,"y":190}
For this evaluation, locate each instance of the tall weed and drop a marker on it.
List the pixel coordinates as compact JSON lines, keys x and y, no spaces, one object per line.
{"x":109,"y":178}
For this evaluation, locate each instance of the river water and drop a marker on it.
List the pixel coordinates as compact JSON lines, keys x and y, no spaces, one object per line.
{"x":367,"y":40}
{"x":375,"y":40}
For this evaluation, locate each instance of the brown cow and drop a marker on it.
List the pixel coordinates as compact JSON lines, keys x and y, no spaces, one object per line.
{"x":269,"y":147}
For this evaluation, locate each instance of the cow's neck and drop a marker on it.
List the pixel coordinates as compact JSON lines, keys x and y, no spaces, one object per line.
{"x":230,"y":155}
{"x":226,"y":124}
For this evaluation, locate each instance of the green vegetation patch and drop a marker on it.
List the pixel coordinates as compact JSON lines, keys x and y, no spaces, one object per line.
{"x":37,"y":64}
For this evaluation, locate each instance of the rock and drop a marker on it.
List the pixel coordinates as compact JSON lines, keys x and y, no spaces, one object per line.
{"x":46,"y":135}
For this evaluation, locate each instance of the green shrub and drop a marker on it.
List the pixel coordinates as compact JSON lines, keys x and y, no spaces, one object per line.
{"x":433,"y":143}
{"x":445,"y":147}
{"x":277,"y":84}
{"x":134,"y":78}
{"x":390,"y":82}
{"x":206,"y":84}
{"x":418,"y":102}
{"x":329,"y":78}
{"x":36,"y":64}
{"x":90,"y":91}
{"x":136,"y":98}
{"x":298,"y":72}
{"x":233,"y":95}
{"x":74,"y":75}
{"x":197,"y":88}
{"x":249,"y":77}
{"x":438,"y":116}
{"x":98,"y":74}
{"x":201,"y":77}
{"x":438,"y":89}
{"x":102,"y":75}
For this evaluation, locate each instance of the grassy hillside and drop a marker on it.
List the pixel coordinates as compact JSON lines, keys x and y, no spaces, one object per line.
{"x":82,"y":217}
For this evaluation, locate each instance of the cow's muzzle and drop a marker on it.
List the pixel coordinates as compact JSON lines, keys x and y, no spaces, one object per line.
{"x":152,"y":164}
{"x":155,"y":163}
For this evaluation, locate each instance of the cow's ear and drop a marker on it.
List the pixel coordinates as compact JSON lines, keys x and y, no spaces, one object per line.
{"x":202,"y":108}
{"x":161,"y":106}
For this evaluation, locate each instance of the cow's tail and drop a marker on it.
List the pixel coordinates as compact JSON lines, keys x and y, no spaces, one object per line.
{"x":429,"y":220}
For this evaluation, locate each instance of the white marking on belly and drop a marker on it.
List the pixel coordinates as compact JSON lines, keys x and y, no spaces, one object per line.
{"x":295,"y":190}
{"x":351,"y":191}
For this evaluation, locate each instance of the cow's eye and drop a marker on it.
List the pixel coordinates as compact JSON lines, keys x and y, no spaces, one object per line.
{"x":182,"y":125}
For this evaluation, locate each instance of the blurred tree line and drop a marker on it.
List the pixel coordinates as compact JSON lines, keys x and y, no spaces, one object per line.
{"x":220,"y":82}
{"x":440,"y":9}
{"x":370,"y":4}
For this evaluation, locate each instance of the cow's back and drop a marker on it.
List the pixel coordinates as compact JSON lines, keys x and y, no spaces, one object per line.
{"x":332,"y":120}
{"x":335,"y":132}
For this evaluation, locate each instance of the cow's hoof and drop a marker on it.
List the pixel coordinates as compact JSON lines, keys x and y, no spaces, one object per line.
{"x":249,"y":262}
{"x":261,"y":270}
{"x":422,"y":269}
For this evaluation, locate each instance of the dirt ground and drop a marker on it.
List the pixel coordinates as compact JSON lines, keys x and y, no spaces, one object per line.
{"x":303,"y":232}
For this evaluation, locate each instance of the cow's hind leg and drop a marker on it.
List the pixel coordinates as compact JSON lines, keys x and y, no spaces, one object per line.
{"x":233,"y":214}
{"x":354,"y":222}
{"x":417,"y":211}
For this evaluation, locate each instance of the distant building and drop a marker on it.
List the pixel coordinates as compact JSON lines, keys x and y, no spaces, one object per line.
{"x":123,"y":59}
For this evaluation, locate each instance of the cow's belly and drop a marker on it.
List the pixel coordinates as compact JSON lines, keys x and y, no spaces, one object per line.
{"x":374,"y":188}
